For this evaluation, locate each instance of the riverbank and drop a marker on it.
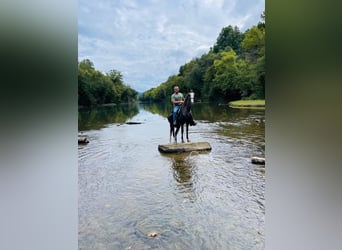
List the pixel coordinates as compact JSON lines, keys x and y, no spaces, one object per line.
{"x":259,"y":104}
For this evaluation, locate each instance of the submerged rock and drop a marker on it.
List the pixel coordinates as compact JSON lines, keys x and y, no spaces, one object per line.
{"x":152,"y":234}
{"x":133,"y":123}
{"x":258,"y":160}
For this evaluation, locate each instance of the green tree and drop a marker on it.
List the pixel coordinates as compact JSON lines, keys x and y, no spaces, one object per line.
{"x":254,"y":50}
{"x":262,"y":24}
{"x":229,"y":38}
{"x":115,"y":76}
{"x":97,"y":88}
{"x":86,"y":65}
{"x":254,"y":43}
{"x":225,"y":83}
{"x":258,"y":82}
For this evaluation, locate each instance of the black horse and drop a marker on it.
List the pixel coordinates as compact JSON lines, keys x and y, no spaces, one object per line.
{"x":184,"y":116}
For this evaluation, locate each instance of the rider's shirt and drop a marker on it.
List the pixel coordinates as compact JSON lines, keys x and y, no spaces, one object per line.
{"x":177,"y":97}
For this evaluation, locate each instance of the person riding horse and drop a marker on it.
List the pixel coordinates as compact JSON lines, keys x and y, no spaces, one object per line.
{"x":181,"y":115}
{"x":177,"y":99}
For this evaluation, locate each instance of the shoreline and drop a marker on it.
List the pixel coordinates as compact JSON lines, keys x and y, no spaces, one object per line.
{"x":257,"y":104}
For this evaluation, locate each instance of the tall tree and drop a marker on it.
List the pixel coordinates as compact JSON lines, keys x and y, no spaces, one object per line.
{"x":86,"y":64}
{"x":254,"y":50}
{"x":229,"y":38}
{"x":115,"y":76}
{"x":225,"y":82}
{"x":254,"y":43}
{"x":262,"y":24}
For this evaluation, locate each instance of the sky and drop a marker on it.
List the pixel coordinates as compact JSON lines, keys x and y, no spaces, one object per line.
{"x":148,"y":40}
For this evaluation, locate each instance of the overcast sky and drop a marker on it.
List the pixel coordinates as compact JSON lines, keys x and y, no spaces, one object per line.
{"x":148,"y":40}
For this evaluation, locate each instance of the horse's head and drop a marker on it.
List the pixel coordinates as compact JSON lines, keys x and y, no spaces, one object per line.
{"x":185,"y":108}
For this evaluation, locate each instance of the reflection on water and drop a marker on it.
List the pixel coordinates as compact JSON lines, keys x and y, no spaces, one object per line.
{"x":97,"y":118}
{"x":211,"y":200}
{"x":163,"y":109}
{"x":181,"y":169}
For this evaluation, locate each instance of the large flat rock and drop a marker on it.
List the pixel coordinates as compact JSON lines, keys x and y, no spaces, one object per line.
{"x":184,"y":147}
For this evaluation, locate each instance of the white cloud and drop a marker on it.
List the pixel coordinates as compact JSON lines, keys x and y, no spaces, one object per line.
{"x":216,"y":3}
{"x":149,"y":40}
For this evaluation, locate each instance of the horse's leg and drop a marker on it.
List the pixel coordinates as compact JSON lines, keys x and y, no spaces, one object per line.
{"x":182,"y":130}
{"x":175,"y":134}
{"x":187,"y":132}
{"x":172,"y":127}
{"x":171,"y":131}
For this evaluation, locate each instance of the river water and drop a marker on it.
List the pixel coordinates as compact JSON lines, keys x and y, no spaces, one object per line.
{"x":127,"y":188}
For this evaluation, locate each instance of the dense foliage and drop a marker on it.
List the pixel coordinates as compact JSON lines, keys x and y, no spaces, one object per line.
{"x":233,"y":69}
{"x":96,"y":88}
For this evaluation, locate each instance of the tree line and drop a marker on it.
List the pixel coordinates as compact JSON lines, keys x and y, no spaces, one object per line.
{"x":233,"y":69}
{"x":96,"y":88}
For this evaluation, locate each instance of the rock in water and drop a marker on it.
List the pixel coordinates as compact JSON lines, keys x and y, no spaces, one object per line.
{"x":184,"y":147}
{"x":133,"y":123}
{"x":83,"y":140}
{"x":258,"y":160}
{"x":152,"y":234}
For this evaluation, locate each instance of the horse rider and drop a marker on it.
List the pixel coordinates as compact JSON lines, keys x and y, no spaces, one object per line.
{"x":177,"y":100}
